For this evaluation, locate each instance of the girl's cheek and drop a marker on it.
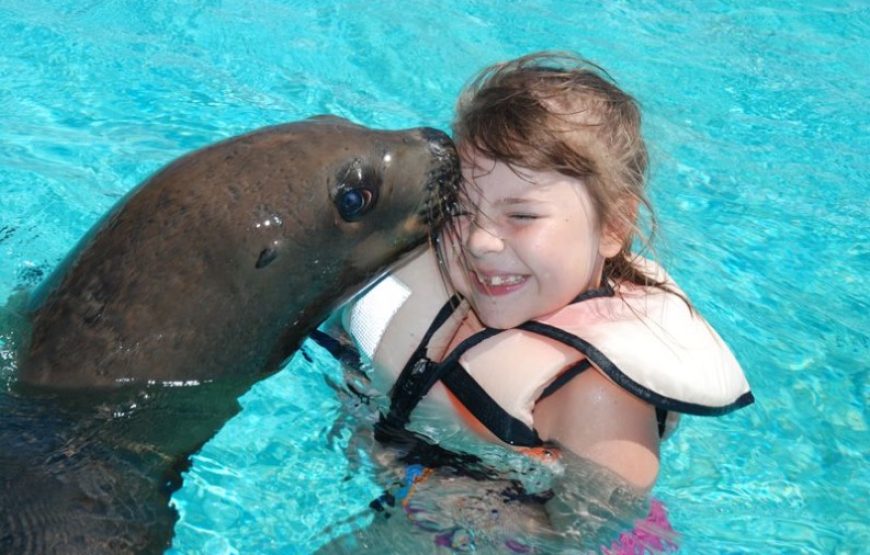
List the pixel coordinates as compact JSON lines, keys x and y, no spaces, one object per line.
{"x":456,"y":234}
{"x":455,"y":266}
{"x":459,"y":278}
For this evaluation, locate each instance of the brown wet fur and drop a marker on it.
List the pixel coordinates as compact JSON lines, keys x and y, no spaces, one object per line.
{"x":211,"y":272}
{"x":168,"y":286}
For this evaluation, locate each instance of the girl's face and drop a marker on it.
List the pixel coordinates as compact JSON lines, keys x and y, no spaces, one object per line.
{"x":531,"y":242}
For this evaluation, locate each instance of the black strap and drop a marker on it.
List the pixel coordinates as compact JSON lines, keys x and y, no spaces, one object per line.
{"x":614,"y":373}
{"x":408,"y":391}
{"x":492,"y":415}
{"x":604,"y":290}
{"x":423,"y":375}
{"x":420,"y":374}
{"x":565,"y":377}
{"x":414,"y":380}
{"x":422,"y":349}
{"x":339,"y":350}
{"x":662,"y":420}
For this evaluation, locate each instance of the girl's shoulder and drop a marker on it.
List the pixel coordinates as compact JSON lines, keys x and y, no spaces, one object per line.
{"x":653,"y":343}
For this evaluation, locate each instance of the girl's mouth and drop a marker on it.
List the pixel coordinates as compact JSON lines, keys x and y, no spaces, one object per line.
{"x":498,"y":284}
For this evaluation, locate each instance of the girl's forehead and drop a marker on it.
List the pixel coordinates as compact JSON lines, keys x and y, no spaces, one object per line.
{"x":503,"y":184}
{"x":490,"y":173}
{"x":477,"y":166}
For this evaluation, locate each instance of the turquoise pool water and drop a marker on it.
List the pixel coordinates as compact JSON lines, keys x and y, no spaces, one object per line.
{"x":757,"y":113}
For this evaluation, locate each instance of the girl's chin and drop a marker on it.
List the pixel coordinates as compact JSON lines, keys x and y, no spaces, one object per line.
{"x":499,"y":317}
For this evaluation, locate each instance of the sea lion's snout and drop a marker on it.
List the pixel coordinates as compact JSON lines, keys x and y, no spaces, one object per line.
{"x":443,"y":179}
{"x":439,"y":142}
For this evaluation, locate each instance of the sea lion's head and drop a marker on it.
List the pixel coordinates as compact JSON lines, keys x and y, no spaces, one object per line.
{"x":229,"y":255}
{"x":388,"y":188}
{"x":336,"y":202}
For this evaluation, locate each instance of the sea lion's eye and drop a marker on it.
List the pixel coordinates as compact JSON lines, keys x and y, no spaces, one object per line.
{"x":353,"y":203}
{"x":356,"y":191}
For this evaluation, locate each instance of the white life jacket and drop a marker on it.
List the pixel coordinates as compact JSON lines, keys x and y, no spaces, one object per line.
{"x":644,"y":339}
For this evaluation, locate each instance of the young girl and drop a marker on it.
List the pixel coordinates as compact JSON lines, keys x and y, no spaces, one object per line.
{"x":550,"y":334}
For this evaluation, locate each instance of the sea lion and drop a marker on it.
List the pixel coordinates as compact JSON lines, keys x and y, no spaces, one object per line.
{"x":199,"y":283}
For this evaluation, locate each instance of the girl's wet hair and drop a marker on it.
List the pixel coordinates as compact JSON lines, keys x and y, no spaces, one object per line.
{"x":554,"y":111}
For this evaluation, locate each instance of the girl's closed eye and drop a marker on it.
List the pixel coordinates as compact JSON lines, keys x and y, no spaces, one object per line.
{"x":524,"y":216}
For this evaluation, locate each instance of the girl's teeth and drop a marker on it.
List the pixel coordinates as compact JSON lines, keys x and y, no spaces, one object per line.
{"x":495,"y":281}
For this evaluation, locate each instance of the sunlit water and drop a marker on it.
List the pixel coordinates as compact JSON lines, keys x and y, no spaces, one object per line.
{"x":757,"y":115}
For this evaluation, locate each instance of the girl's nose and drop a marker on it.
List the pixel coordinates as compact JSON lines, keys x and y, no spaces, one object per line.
{"x":482,"y":237}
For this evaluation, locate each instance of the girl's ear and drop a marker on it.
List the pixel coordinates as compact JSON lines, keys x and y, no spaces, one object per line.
{"x":610,"y":243}
{"x":616,"y":232}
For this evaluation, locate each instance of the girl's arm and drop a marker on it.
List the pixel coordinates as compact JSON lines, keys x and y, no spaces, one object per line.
{"x":601,"y":422}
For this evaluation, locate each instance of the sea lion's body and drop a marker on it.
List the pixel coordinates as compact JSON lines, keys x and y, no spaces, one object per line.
{"x":204,"y":269}
{"x":198,"y":284}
